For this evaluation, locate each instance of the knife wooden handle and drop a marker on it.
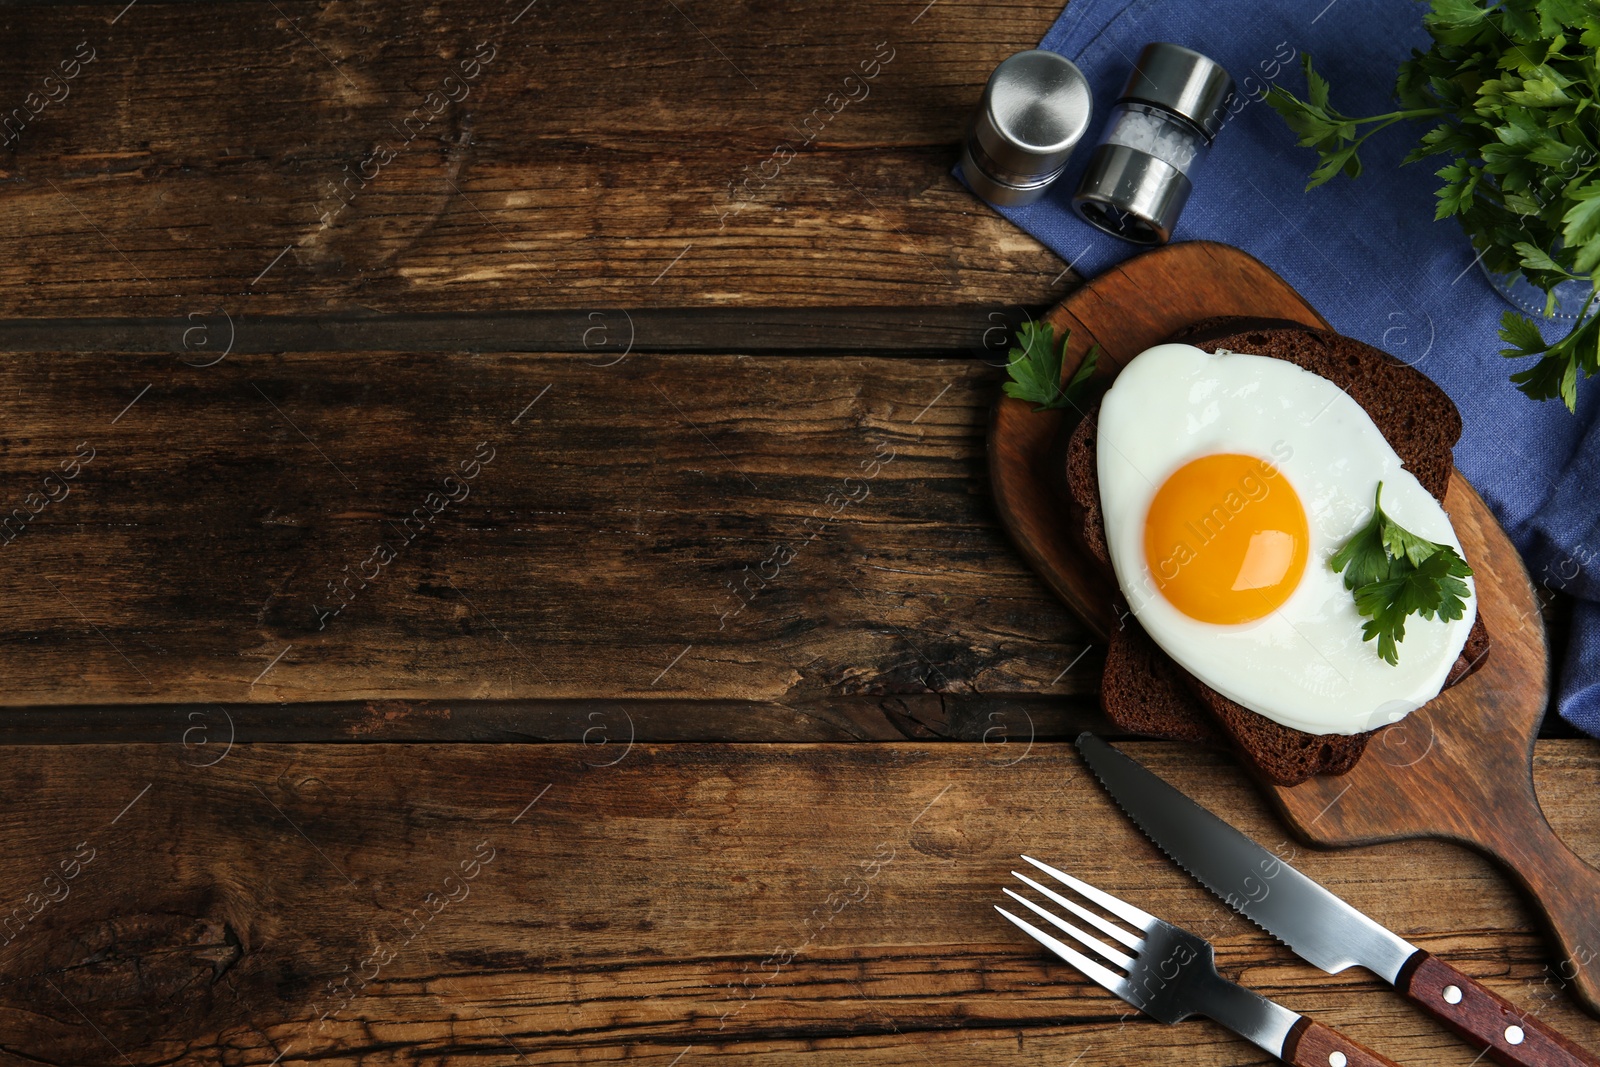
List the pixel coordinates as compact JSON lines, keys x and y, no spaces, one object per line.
{"x":1310,"y":1044}
{"x":1514,"y":1037}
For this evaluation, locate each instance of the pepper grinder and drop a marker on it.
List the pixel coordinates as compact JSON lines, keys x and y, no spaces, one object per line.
{"x":1159,"y":133}
{"x":1035,"y":109}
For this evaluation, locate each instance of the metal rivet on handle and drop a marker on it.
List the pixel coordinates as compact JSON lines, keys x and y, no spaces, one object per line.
{"x":1452,"y":994}
{"x":1514,"y":1035}
{"x":1336,"y":1059}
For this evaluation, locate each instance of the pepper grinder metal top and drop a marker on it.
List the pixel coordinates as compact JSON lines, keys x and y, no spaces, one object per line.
{"x":1035,"y":109}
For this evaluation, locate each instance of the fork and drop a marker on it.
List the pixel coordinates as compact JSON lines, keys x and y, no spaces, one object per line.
{"x":1170,"y":974}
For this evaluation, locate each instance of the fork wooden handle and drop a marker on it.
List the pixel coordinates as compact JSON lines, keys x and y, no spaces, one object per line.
{"x":1514,"y":1037}
{"x":1310,"y":1044}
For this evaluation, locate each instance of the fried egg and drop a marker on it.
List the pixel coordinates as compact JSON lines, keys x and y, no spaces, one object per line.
{"x":1227,"y":481}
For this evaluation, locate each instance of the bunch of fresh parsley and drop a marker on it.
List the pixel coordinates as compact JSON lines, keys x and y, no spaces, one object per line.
{"x":1034,"y":365}
{"x":1394,"y":573}
{"x":1514,"y":89}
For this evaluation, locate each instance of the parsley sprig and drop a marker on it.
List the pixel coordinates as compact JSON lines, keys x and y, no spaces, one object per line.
{"x":1035,"y":368}
{"x":1331,"y":132}
{"x":1394,"y":573}
{"x":1514,"y":88}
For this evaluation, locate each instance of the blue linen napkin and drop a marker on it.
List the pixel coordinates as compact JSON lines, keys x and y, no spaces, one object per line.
{"x":1366,"y":252}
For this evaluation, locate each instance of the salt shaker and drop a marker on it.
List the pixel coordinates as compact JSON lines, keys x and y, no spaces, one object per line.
{"x":1035,"y":109}
{"x":1159,"y":132}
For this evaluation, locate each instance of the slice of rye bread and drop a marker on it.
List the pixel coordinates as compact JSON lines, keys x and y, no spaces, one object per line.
{"x":1142,"y":689}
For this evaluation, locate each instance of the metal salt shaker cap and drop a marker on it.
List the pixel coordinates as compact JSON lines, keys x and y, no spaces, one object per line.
{"x":1035,"y":109}
{"x":1183,"y":81}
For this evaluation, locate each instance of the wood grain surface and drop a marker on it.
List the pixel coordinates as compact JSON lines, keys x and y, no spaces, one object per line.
{"x":773,"y":904}
{"x":273,"y":157}
{"x":282,"y":278}
{"x":1459,"y":767}
{"x":700,"y":529}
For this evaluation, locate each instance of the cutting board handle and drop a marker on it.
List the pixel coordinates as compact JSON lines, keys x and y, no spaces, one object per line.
{"x":1564,"y":888}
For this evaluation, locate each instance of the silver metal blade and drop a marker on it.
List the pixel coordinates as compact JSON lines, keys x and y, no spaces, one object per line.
{"x":1322,"y":929}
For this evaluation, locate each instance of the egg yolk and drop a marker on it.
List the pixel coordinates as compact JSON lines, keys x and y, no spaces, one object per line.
{"x":1226,"y":539}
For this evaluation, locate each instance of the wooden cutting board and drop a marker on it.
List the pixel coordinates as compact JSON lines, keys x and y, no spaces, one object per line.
{"x":1460,"y":768}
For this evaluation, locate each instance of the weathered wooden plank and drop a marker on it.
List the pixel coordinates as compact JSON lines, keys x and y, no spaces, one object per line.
{"x":385,"y":526}
{"x":775,"y":904}
{"x":297,"y":157}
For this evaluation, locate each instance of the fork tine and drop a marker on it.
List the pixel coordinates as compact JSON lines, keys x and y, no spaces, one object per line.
{"x":1120,"y":908}
{"x":1108,"y":980}
{"x":1108,"y":928}
{"x":1120,"y":959}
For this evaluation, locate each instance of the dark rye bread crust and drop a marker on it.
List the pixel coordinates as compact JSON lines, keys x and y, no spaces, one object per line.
{"x":1143,"y":690}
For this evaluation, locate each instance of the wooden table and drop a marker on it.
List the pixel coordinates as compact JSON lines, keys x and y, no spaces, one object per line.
{"x":501,"y":567}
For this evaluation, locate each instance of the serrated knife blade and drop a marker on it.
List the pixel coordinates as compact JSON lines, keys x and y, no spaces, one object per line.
{"x":1320,"y":927}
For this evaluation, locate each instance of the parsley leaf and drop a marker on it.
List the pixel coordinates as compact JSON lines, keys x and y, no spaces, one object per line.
{"x":1035,"y":368}
{"x":1363,"y":559}
{"x":1556,"y":373}
{"x":1394,"y":574}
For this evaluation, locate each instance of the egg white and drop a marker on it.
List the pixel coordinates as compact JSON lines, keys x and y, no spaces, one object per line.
{"x":1304,"y":665}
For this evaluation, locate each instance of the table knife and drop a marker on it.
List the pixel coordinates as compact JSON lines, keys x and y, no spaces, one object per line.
{"x":1320,"y":927}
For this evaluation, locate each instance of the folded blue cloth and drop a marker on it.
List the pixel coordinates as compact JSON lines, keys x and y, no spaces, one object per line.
{"x":1366,"y":252}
